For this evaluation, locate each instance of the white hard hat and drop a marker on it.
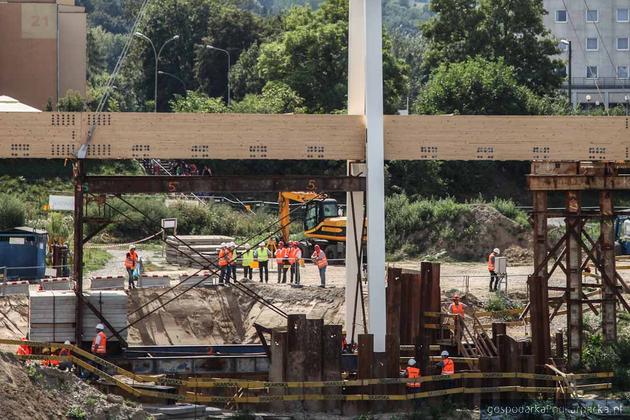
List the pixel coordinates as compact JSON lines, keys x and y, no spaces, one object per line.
{"x":261,"y":244}
{"x":444,"y":353}
{"x":222,"y":245}
{"x":100,"y":327}
{"x":233,"y":244}
{"x":132,"y":246}
{"x":247,"y":246}
{"x":411,"y":362}
{"x":66,"y":342}
{"x":496,"y":251}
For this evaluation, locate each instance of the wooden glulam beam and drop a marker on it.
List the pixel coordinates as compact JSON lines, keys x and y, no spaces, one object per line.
{"x":314,"y":137}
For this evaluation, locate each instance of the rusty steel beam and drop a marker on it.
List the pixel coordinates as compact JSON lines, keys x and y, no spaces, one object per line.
{"x":77,"y":264}
{"x":221,"y":184}
{"x":574,"y":278}
{"x":607,"y":240}
{"x":577,"y":182}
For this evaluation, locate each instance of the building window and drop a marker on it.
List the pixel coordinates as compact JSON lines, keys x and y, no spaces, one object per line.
{"x":623,"y":15}
{"x":592,"y":15}
{"x":561,"y":16}
{"x":591,"y":72}
{"x":592,"y":44}
{"x":623,"y":44}
{"x":622,"y":72}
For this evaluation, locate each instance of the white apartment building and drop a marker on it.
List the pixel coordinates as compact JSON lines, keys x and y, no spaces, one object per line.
{"x":599,"y":31}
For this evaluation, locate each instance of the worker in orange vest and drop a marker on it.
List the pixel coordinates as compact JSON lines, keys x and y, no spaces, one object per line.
{"x":282,"y":255}
{"x":319,"y":258}
{"x":224,"y":256}
{"x":131,"y":259}
{"x":447,"y":364}
{"x":457,"y":307}
{"x":99,"y":343}
{"x":65,"y":365}
{"x":411,"y":372}
{"x":233,"y":255}
{"x":491,"y":267}
{"x":23,"y":349}
{"x":295,"y":254}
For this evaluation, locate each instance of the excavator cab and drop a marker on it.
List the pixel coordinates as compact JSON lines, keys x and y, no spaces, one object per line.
{"x":319,"y":210}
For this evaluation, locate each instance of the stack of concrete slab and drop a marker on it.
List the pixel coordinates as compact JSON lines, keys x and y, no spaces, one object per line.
{"x":154,"y":280}
{"x":12,"y":288}
{"x":112,"y":304}
{"x":184,"y":250}
{"x":57,"y":283}
{"x":51,"y":316}
{"x":108,"y":282}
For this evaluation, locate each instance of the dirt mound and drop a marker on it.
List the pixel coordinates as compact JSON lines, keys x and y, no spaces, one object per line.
{"x":225,"y":315}
{"x":44,"y":393}
{"x":477,"y":232}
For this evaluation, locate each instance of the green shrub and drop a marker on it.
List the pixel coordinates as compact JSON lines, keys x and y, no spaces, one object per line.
{"x":76,"y":413}
{"x":509,"y":209}
{"x":598,"y":356}
{"x":12,"y":212}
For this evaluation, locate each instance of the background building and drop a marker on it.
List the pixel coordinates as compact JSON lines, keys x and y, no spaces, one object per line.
{"x":599,"y":31}
{"x":42,"y":50}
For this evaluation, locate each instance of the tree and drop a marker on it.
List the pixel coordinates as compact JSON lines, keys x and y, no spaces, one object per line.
{"x":311,"y":56}
{"x":72,"y":102}
{"x":276,"y":98}
{"x":476,"y":87}
{"x":197,"y":102}
{"x":12,"y":212}
{"x":508,"y":29}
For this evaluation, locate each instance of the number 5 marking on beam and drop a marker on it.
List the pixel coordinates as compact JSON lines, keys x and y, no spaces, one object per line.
{"x":312,"y":185}
{"x":172,"y":186}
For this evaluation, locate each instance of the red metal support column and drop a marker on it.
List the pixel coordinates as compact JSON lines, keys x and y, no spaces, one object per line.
{"x":77,"y":263}
{"x":607,"y":245}
{"x":538,"y":293}
{"x":574,"y":277}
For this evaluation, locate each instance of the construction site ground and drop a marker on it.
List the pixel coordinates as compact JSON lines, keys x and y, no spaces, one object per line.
{"x":224,"y":315}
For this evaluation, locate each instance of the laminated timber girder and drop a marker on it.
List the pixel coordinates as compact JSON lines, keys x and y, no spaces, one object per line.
{"x":319,"y":137}
{"x":219,"y":184}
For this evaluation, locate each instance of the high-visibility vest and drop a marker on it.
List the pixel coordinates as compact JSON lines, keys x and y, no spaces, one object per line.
{"x":294,"y":255}
{"x":457,"y":309}
{"x":320,"y":259}
{"x":491,"y":262}
{"x":64,"y":352}
{"x":223,"y":258}
{"x":24,"y":350}
{"x":248,"y":257}
{"x":413,"y":372}
{"x":130,"y":260}
{"x":281,"y":255}
{"x":449,"y":367}
{"x":262,"y":254}
{"x":232,"y":256}
{"x":102,"y":346}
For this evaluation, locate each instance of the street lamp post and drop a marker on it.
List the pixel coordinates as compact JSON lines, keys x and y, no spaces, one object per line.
{"x":174,"y":77}
{"x":156,"y":54}
{"x":568,"y":44}
{"x":210,"y":47}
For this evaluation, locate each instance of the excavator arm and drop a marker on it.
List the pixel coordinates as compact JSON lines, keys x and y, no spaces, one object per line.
{"x":284,"y":201}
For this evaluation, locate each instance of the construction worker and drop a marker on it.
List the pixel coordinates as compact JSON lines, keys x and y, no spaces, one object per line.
{"x":248,"y":259}
{"x":65,"y":365}
{"x":99,"y":343}
{"x":232,"y":260}
{"x":294,"y":259}
{"x":281,"y":255}
{"x":262,"y":255}
{"x":447,"y":365}
{"x":319,"y":259}
{"x":491,"y":267}
{"x":457,"y":307}
{"x":223,"y":263}
{"x":412,"y":372}
{"x":23,"y":349}
{"x":131,"y":259}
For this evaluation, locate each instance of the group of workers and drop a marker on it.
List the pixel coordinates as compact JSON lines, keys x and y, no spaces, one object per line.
{"x":412,"y":371}
{"x":288,"y":258}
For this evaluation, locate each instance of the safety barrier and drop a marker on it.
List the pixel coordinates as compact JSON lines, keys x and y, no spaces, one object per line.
{"x":223,"y":383}
{"x":148,"y":281}
{"x":56,"y":283}
{"x":15,"y":288}
{"x":108,"y":283}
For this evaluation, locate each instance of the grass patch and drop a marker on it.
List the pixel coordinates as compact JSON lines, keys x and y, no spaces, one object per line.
{"x":95,"y":259}
{"x":509,"y":209}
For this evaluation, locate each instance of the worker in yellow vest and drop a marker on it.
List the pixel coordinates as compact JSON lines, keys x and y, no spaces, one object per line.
{"x":262,"y":255}
{"x":248,"y":259}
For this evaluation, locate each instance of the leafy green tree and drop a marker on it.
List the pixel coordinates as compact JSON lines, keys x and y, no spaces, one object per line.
{"x":71,"y":102}
{"x":476,"y":86}
{"x":12,"y":212}
{"x":244,"y":76}
{"x":276,"y":98}
{"x":311,"y":56}
{"x":508,"y":29}
{"x":197,"y":102}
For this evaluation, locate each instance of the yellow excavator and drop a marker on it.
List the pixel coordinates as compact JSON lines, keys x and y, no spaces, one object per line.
{"x":323,"y":224}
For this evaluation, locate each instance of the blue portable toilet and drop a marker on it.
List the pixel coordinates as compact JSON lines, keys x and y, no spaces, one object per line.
{"x":23,"y":253}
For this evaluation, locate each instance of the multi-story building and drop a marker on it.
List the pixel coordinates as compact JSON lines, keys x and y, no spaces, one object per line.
{"x":599,"y":31}
{"x":42,"y":50}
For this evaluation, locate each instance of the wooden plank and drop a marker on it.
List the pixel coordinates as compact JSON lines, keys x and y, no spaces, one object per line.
{"x":325,"y":137}
{"x":331,"y":364}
